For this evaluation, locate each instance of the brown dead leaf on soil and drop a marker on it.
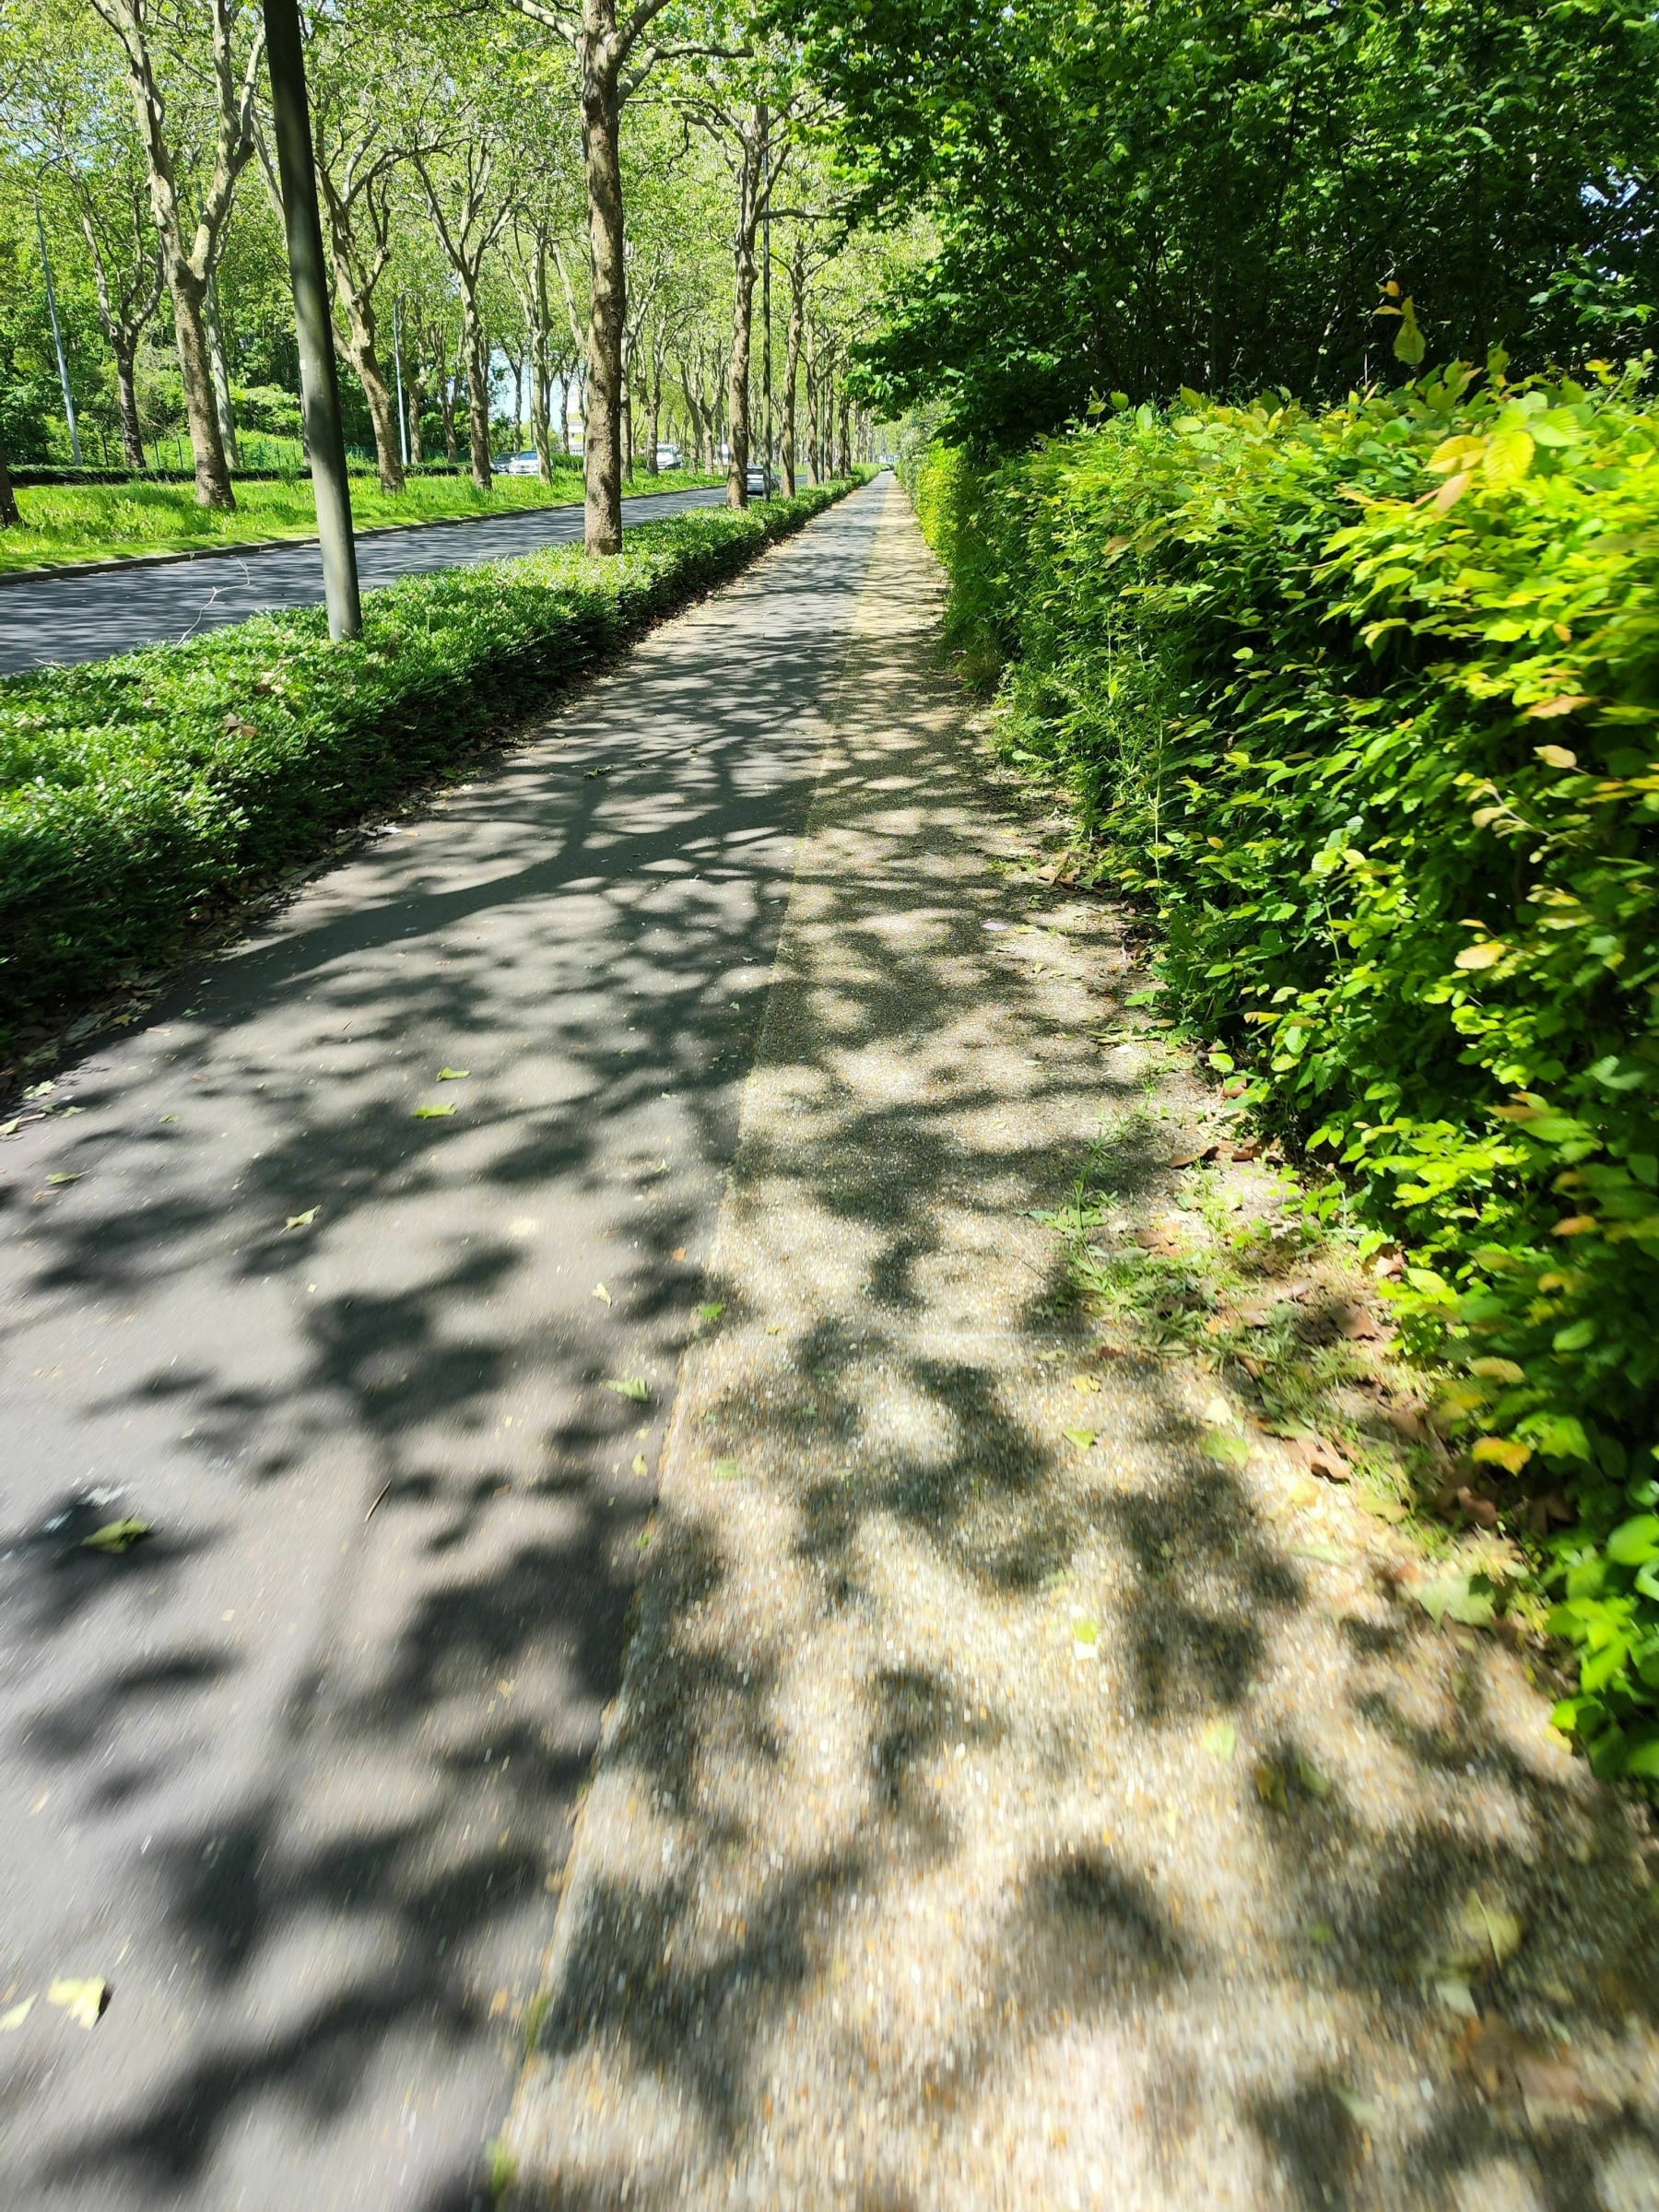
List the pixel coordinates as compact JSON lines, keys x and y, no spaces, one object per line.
{"x":1322,"y":1457}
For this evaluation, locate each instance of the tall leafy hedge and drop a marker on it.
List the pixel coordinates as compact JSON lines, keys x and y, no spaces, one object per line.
{"x":1363,"y":703}
{"x":136,"y":792}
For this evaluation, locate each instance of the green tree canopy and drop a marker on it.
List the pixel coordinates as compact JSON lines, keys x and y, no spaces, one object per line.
{"x":1138,"y":194}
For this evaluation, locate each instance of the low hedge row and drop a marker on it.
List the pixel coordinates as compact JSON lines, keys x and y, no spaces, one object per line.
{"x":1364,"y":705}
{"x":135,"y":793}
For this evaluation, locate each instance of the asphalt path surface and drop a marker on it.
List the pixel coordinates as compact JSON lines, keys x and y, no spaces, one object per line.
{"x":64,"y":618}
{"x":295,"y":1775}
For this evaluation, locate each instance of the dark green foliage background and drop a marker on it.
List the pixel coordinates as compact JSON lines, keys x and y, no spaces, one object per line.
{"x":1363,"y":704}
{"x":1137,"y":194}
{"x":136,"y":793}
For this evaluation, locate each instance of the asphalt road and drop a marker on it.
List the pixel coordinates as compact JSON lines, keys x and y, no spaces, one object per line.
{"x":295,"y":1775}
{"x":67,"y":618}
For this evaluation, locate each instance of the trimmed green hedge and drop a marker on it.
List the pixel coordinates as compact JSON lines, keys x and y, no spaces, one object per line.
{"x":1364,"y":705}
{"x":136,"y":793}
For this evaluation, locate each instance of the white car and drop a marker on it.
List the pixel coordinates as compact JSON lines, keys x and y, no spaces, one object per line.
{"x":669,"y":457}
{"x":517,"y":465}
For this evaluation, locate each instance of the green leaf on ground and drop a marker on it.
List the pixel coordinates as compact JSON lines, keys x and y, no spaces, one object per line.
{"x":712,"y":1310}
{"x":1362,"y":2111}
{"x":1086,"y":1630}
{"x":433,"y":1113}
{"x":629,"y":1386}
{"x":1220,"y":1739}
{"x":55,"y":1180}
{"x":1322,"y":1932}
{"x":1316,"y":1783}
{"x":1085,"y":1439}
{"x":639,"y":1467}
{"x":116,"y":1537}
{"x":453,"y":1075}
{"x":726,"y":1470}
{"x":302,"y":1221}
{"x":1454,"y":1597}
{"x":1225,"y":1448}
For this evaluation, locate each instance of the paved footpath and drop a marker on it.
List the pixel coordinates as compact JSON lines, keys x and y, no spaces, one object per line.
{"x":294,"y":1776}
{"x":62,"y":618}
{"x":1011,"y":1802}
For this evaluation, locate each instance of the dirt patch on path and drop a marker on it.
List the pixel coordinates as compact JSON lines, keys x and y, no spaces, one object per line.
{"x":1017,"y":1798}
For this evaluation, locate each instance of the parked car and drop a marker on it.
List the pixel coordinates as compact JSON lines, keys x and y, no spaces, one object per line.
{"x":517,"y":464}
{"x":669,"y":457}
{"x":760,"y":481}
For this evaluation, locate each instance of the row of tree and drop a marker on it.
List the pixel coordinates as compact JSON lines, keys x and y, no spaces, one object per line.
{"x":593,"y":199}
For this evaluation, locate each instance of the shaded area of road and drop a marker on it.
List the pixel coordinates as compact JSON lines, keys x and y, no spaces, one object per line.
{"x":294,"y":1775}
{"x":64,"y":618}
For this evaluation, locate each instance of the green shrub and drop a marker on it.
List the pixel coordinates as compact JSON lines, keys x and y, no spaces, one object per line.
{"x":1364,"y":705}
{"x":135,"y":793}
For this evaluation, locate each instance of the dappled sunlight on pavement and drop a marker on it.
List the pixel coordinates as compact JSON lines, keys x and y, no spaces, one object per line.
{"x":1010,"y":1803}
{"x":295,"y":1774}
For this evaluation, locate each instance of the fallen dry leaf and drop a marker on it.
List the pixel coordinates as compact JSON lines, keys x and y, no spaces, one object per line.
{"x":1482,"y":1510}
{"x":1359,"y":1325}
{"x":85,"y":2002}
{"x":1502,"y":2061}
{"x":1322,"y":1457}
{"x":16,"y":2016}
{"x":1190,"y":1155}
{"x":603,"y":1295}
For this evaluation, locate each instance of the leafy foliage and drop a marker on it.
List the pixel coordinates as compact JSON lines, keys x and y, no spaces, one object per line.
{"x":1363,"y":704}
{"x":135,"y":792}
{"x":1131,"y":198}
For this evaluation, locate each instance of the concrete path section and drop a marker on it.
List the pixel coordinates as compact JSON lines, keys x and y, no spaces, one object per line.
{"x":360,"y":1274}
{"x":62,"y":618}
{"x":1029,"y":1788}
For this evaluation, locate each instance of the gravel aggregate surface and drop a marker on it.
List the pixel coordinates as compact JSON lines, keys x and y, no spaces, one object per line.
{"x":1009,"y":1801}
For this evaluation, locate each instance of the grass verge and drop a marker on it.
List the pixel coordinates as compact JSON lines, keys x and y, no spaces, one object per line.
{"x":64,"y":523}
{"x":140,"y":794}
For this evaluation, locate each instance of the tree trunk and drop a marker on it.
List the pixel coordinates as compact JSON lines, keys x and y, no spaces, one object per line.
{"x":846,"y":436}
{"x":602,"y":413}
{"x":126,"y":396}
{"x":212,"y":476}
{"x":538,"y":425}
{"x":564,"y":415}
{"x":9,"y":517}
{"x":738,"y":380}
{"x":446,"y":405}
{"x":792,"y":361}
{"x":628,"y":451}
{"x":221,"y":378}
{"x":417,"y":402}
{"x":654,"y":422}
{"x":382,"y":407}
{"x":477,"y":395}
{"x":812,"y":407}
